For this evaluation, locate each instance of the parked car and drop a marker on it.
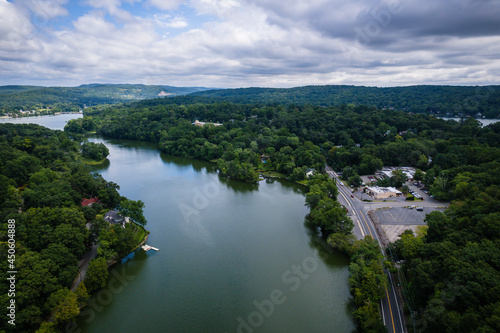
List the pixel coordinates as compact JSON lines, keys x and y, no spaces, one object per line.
{"x":420,"y":208}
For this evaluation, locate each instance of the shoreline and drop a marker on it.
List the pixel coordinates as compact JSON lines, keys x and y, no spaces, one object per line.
{"x":39,"y":115}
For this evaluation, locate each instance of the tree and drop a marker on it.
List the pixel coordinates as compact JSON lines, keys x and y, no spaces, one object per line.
{"x":94,"y":151}
{"x":355,"y":180}
{"x":331,"y":217}
{"x":97,"y":274}
{"x":440,"y":188}
{"x":134,"y":210}
{"x":63,"y":303}
{"x":72,"y":238}
{"x":398,"y":178}
{"x":419,"y":175}
{"x":82,"y":295}
{"x":314,"y":196}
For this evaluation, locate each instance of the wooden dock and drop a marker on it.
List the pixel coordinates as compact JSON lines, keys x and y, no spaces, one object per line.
{"x":146,"y":248}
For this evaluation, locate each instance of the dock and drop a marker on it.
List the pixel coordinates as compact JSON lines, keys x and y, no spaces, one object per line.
{"x":146,"y":248}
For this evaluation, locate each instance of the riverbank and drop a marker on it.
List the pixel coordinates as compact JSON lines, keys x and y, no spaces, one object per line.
{"x":141,"y":237}
{"x":93,"y":162}
{"x":41,"y":114}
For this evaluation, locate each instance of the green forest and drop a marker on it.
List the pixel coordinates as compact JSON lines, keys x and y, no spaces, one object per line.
{"x":443,"y":100}
{"x":451,"y":272}
{"x":451,"y":101}
{"x":42,"y":184}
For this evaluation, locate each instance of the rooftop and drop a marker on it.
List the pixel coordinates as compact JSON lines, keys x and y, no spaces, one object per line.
{"x":378,"y":189}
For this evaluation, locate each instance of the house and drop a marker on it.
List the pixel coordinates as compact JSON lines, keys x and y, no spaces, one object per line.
{"x":382,"y":192}
{"x":202,"y":123}
{"x":113,"y":217}
{"x":310,"y":172}
{"x":163,"y":94}
{"x":90,"y":202}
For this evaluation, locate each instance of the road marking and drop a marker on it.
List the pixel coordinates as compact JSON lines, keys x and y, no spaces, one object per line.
{"x":345,"y":198}
{"x":367,"y":225}
{"x":397,"y":307}
{"x":341,"y":188}
{"x":383,"y":314}
{"x":392,"y":319}
{"x":359,"y":225}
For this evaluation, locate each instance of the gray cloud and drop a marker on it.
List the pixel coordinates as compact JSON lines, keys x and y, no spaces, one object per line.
{"x":255,"y":42}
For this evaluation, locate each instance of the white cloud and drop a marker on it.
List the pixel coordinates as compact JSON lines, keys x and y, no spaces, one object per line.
{"x":167,"y":21}
{"x":249,"y":43}
{"x":47,"y":9}
{"x":217,"y":8}
{"x":165,"y":4}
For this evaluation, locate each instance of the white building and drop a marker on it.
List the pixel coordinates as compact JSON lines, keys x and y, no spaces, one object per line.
{"x":383,"y":192}
{"x":408,"y":171}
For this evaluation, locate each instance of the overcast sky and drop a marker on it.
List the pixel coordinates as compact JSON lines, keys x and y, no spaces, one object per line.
{"x":242,"y":43}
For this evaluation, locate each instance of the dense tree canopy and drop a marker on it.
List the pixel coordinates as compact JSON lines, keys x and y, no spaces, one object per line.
{"x":42,"y":184}
{"x":453,"y":269}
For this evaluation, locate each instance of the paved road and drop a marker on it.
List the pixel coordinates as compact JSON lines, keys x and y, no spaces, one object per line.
{"x":390,"y":305}
{"x":83,"y":265}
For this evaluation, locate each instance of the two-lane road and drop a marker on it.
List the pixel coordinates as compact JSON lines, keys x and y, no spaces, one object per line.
{"x":391,"y":313}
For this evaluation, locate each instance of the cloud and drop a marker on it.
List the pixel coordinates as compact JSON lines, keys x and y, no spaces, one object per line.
{"x":254,"y":42}
{"x":165,"y":5}
{"x":113,"y":7}
{"x":167,"y":21}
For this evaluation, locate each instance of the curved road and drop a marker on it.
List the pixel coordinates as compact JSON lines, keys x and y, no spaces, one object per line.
{"x":390,"y":305}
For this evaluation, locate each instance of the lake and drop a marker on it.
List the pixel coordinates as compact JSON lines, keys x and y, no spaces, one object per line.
{"x":485,"y":122}
{"x":234,"y":257}
{"x":56,"y":122}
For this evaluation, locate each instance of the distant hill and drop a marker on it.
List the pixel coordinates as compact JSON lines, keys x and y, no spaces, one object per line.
{"x":483,"y":101}
{"x":60,"y":99}
{"x":441,"y":100}
{"x":16,"y":89}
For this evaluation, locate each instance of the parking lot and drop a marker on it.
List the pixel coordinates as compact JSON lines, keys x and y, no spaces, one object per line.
{"x":394,"y":221}
{"x":403,"y":216}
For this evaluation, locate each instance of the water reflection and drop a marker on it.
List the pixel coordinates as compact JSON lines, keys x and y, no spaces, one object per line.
{"x":292,"y":186}
{"x":196,"y":165}
{"x":238,"y":186}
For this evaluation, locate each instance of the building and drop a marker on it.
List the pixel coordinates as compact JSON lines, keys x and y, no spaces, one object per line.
{"x":310,"y":172}
{"x":202,"y":123}
{"x":164,"y":94}
{"x":90,"y":202}
{"x":113,"y":217}
{"x":382,"y":192}
{"x":408,"y":171}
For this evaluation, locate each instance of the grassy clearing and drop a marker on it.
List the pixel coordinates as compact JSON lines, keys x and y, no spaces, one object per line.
{"x":92,"y":162}
{"x":272,"y":174}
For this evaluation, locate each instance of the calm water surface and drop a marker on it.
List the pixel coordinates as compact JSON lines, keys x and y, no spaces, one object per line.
{"x":233,"y":257}
{"x":56,"y":122}
{"x":485,"y":122}
{"x":224,"y":246}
